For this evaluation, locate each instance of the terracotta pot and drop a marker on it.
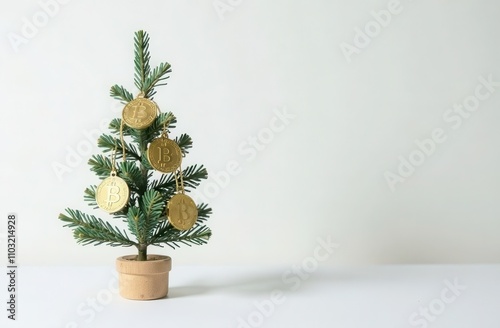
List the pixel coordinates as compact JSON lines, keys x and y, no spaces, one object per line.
{"x":143,"y":280}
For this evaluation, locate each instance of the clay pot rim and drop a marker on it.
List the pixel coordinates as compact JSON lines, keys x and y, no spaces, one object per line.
{"x":154,"y":265}
{"x":151,"y":258}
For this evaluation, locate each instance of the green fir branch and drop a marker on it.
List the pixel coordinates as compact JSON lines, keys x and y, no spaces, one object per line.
{"x":145,"y":79}
{"x":133,"y":219}
{"x":145,"y":163}
{"x":165,"y":185}
{"x":192,"y":176}
{"x":203,"y":213}
{"x":152,"y":205}
{"x":162,"y":182}
{"x":90,"y":196}
{"x":91,"y":230}
{"x":109,"y":143}
{"x":156,"y":78}
{"x":115,"y":125}
{"x":185,"y":143}
{"x":162,"y":229}
{"x":141,"y":59}
{"x":132,"y":176}
{"x":118,"y":92}
{"x":137,"y":221}
{"x":101,"y":165}
{"x":156,"y":128}
{"x":197,"y":235}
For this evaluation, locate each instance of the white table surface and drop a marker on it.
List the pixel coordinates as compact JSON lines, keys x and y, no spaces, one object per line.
{"x":233,"y":297}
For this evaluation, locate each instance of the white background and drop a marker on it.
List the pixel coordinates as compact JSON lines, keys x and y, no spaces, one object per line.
{"x":322,"y":175}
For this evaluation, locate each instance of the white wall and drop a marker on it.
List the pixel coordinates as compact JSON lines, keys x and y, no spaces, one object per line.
{"x":353,"y":119}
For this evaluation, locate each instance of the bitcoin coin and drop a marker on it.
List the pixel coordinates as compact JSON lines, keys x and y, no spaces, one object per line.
{"x":112,"y":194}
{"x":182,"y":212}
{"x":139,"y":113}
{"x":164,"y":155}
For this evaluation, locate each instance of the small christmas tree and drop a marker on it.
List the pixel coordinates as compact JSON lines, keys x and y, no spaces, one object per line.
{"x":153,"y":178}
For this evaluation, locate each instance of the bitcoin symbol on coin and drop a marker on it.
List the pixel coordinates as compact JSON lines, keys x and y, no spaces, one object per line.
{"x":182,"y":212}
{"x":112,"y":194}
{"x":164,"y":155}
{"x":184,"y":215}
{"x":186,"y":212}
{"x":139,"y":113}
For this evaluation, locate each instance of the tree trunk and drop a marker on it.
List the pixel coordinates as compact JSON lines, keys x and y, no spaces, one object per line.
{"x":143,"y":252}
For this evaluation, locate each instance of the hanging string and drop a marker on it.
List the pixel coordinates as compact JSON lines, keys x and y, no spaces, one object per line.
{"x":179,"y":181}
{"x":113,"y":161}
{"x":123,"y":141}
{"x":164,"y":132}
{"x":182,"y":180}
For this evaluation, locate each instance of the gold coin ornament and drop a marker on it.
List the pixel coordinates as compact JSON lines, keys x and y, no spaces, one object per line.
{"x":112,"y":194}
{"x":164,"y":154}
{"x":182,"y":212}
{"x":140,"y":113}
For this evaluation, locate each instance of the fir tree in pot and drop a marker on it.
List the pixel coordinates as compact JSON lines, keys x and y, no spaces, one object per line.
{"x":143,"y":185}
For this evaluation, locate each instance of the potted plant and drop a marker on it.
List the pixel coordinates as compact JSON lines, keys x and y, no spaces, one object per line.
{"x":143,"y":186}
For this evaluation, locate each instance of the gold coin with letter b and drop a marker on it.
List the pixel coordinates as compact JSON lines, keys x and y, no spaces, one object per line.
{"x":139,"y":113}
{"x":112,"y":194}
{"x":164,"y":155}
{"x":182,"y":212}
